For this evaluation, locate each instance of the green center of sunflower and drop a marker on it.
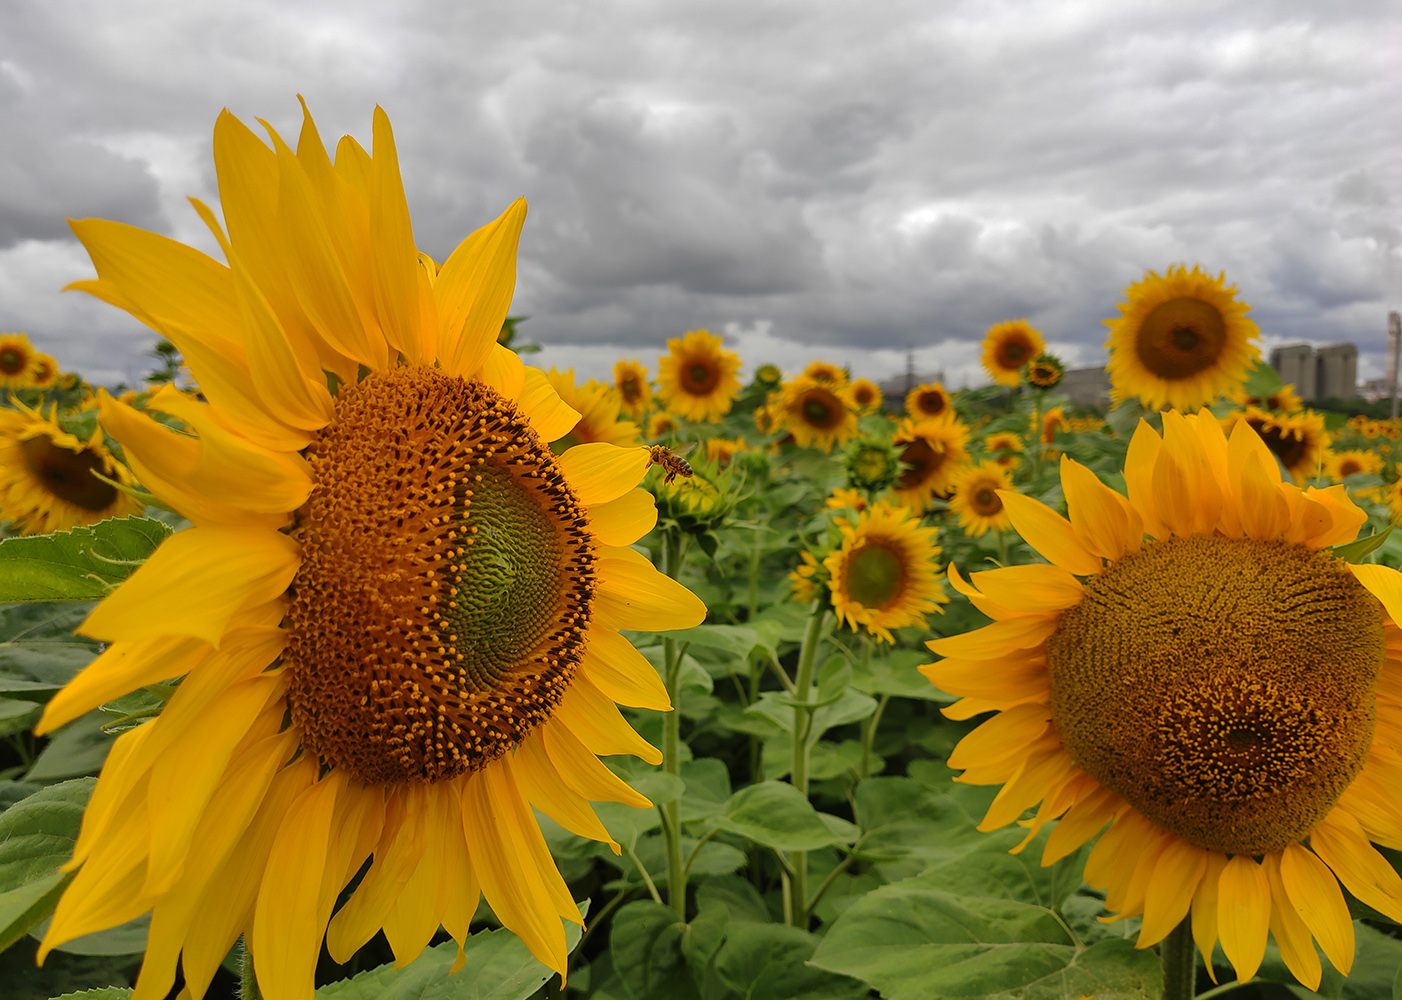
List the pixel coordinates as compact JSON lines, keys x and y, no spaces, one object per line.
{"x":68,"y":474}
{"x":1181,"y":337}
{"x":699,"y":377}
{"x":1223,"y":687}
{"x":873,"y":576}
{"x":446,"y":582}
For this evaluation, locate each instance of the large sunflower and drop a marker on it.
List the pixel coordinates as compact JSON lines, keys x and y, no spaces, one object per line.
{"x":817,"y":414}
{"x":397,"y":612}
{"x":1007,"y":347}
{"x":47,"y":480}
{"x":1181,"y":340}
{"x":932,"y":451}
{"x":883,"y":575}
{"x":16,"y":361}
{"x":1225,"y":694}
{"x":598,"y":407}
{"x":976,"y":497}
{"x":630,"y":379}
{"x":697,"y":379}
{"x":929,"y":400}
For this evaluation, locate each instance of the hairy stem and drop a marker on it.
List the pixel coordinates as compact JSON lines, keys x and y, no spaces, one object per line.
{"x":802,"y":723}
{"x":1179,"y":959}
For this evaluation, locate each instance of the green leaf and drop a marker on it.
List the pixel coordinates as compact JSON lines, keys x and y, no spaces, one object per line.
{"x":896,"y":674}
{"x":18,"y":716}
{"x":498,"y":966}
{"x":75,"y":749}
{"x":1262,"y":381}
{"x":124,"y":939}
{"x":646,"y":941}
{"x":769,"y":962}
{"x":1357,"y":551}
{"x":913,"y":826}
{"x":707,"y":788}
{"x":105,"y":993}
{"x":778,"y":815}
{"x":37,"y":836}
{"x":83,"y":564}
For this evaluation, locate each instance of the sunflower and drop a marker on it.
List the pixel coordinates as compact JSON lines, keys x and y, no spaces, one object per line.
{"x":661,"y":425}
{"x":1181,"y":340}
{"x":928,"y":400}
{"x":1298,"y":440}
{"x":1053,"y":423}
{"x":883,"y":575}
{"x":1220,"y":693}
{"x":872,"y":464}
{"x":719,"y":451}
{"x":805,"y":580}
{"x":1045,"y":372}
{"x":976,"y":498}
{"x":847,"y":499}
{"x":768,"y":376}
{"x":598,"y":407}
{"x":817,"y":414}
{"x":1339,"y":465}
{"x":827,"y":374}
{"x":1284,"y":399}
{"x":46,"y":476}
{"x":16,"y":361}
{"x":43,"y":372}
{"x":630,"y":379}
{"x":866,"y":396}
{"x":931,"y":450}
{"x":697,"y":379}
{"x":397,"y":612}
{"x":1007,"y":347}
{"x":765,"y":420}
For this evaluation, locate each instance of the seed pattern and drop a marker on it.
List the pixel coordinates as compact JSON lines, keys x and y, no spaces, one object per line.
{"x":447,"y":579}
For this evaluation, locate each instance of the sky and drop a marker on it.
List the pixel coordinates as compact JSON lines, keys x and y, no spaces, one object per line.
{"x":848,"y":181}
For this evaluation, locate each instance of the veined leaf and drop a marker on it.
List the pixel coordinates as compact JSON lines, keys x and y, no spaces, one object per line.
{"x":83,"y":564}
{"x":37,"y":836}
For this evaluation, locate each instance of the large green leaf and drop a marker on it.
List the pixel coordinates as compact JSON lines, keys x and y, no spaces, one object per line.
{"x":770,"y":962}
{"x":776,"y":814}
{"x":83,"y":564}
{"x":646,"y":941}
{"x":498,"y":966}
{"x":36,"y":837}
{"x":77,"y":748}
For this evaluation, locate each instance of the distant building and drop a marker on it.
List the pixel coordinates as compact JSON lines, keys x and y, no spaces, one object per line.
{"x":1086,"y":386}
{"x":1328,"y":373}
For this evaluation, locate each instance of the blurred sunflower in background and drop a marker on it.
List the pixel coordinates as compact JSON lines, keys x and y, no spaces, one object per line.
{"x":1298,"y":440}
{"x":1053,"y":423}
{"x":1340,"y":465}
{"x":769,"y":376}
{"x":931,"y":451}
{"x":598,"y":408}
{"x":361,"y":679}
{"x":976,"y":498}
{"x":47,"y":480}
{"x":634,"y":390}
{"x":696,"y":380}
{"x":817,"y":414}
{"x":866,"y":396}
{"x":661,"y":425}
{"x":43,"y":372}
{"x":1007,"y":347}
{"x":929,"y":400}
{"x":719,"y":451}
{"x":825,"y":373}
{"x":883,"y":576}
{"x":1045,"y":372}
{"x":1005,"y":447}
{"x":1181,"y":340}
{"x":16,"y":361}
{"x":1223,"y":693}
{"x":1284,"y":399}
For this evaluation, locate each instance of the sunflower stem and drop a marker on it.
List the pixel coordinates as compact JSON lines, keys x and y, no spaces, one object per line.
{"x":1179,"y":962}
{"x":673,"y":553}
{"x":869,"y":736}
{"x":798,"y":772}
{"x":248,"y":982}
{"x":754,"y":575}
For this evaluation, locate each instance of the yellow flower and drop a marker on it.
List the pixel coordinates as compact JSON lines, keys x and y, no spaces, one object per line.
{"x":1283,"y":399}
{"x":976,"y":499}
{"x":1009,"y":346}
{"x":46,"y":476}
{"x":661,"y":425}
{"x":1053,"y":423}
{"x":630,"y":379}
{"x":697,"y":379}
{"x":719,"y":451}
{"x":828,"y":374}
{"x":598,"y":407}
{"x":361,"y":678}
{"x":932,"y":450}
{"x":802,"y":581}
{"x":817,"y":414}
{"x":43,"y":372}
{"x":845,"y":499}
{"x":765,"y":420}
{"x":866,"y":396}
{"x":927,"y":401}
{"x":1298,"y":440}
{"x":1005,"y":448}
{"x":1339,"y":465}
{"x":16,"y":361}
{"x":883,"y":575}
{"x":1181,"y":340}
{"x":1219,"y":692}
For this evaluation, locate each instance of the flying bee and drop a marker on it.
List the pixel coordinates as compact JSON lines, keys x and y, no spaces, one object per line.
{"x":672,"y":460}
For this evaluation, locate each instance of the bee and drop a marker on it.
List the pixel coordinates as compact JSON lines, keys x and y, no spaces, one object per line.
{"x":672,"y":461}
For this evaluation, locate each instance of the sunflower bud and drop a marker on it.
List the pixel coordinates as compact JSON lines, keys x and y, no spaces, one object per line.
{"x":872,"y":465}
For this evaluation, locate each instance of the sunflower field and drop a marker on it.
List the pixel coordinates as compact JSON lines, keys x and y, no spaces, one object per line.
{"x":351,"y":657}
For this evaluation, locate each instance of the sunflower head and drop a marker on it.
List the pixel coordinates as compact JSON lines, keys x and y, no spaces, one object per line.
{"x":720,"y":451}
{"x":1054,"y":422}
{"x":866,"y":396}
{"x":872,"y":464}
{"x":16,"y":361}
{"x":926,"y":401}
{"x":1283,"y":400}
{"x":1298,"y":441}
{"x":817,"y":414}
{"x":598,"y":407}
{"x":697,"y":378}
{"x":1181,"y":340}
{"x":768,"y":376}
{"x":661,"y":425}
{"x":766,"y":422}
{"x":883,"y":576}
{"x":976,"y":498}
{"x":1045,"y":372}
{"x":847,"y":499}
{"x":1339,"y":465}
{"x":808,"y":579}
{"x":634,"y":390}
{"x":825,"y":373}
{"x":931,"y":451}
{"x":43,"y":372}
{"x":1008,"y":347}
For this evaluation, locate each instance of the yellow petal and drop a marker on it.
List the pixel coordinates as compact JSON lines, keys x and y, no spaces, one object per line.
{"x":1043,"y":768}
{"x":194,"y":583}
{"x":634,"y":595}
{"x":458,"y":889}
{"x":1263,"y":511}
{"x":589,"y":714}
{"x":1030,"y":589}
{"x":583,"y":771}
{"x":1243,"y":914}
{"x":1081,"y":822}
{"x":1170,"y":893}
{"x":1291,"y":935}
{"x":998,"y":639}
{"x":1005,"y":735}
{"x":976,"y":597}
{"x":1313,"y":892}
{"x":414,"y":915}
{"x":1016,"y":676}
{"x":550,"y":415}
{"x":289,"y":381}
{"x":625,"y":520}
{"x":474,"y":290}
{"x":1204,"y":910}
{"x":1382,"y":582}
{"x":1049,"y":534}
{"x":1364,"y":872}
{"x":395,"y":262}
{"x":1345,"y":516}
{"x":599,"y":472}
{"x":1099,"y":516}
{"x":622,"y":673}
{"x":547,"y":791}
{"x":120,"y":669}
{"x":1140,"y":459}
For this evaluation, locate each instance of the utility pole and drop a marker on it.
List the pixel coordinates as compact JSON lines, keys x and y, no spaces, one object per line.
{"x":910,"y":369}
{"x":1394,"y":344}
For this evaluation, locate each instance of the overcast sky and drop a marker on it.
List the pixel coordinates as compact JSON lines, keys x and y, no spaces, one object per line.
{"x":809,"y":179}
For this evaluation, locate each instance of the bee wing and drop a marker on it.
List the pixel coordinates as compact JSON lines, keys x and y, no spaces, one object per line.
{"x":682,"y":450}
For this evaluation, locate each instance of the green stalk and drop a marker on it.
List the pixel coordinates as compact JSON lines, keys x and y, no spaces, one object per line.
{"x":802,"y":722}
{"x":1179,"y":959}
{"x":869,"y":736}
{"x":673,"y":552}
{"x":754,"y":576}
{"x":248,"y":982}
